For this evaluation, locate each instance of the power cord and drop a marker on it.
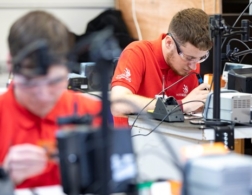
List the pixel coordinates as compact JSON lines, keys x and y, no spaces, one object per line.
{"x":176,"y":162}
{"x":172,"y":111}
{"x":139,"y":113}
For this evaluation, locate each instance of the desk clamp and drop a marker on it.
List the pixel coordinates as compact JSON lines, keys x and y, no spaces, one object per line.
{"x":224,"y":134}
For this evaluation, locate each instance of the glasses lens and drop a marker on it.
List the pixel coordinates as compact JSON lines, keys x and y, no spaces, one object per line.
{"x":202,"y":59}
{"x":192,"y":59}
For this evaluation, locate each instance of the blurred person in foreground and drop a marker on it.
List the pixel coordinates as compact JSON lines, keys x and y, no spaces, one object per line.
{"x":35,"y":99}
{"x":146,"y":67}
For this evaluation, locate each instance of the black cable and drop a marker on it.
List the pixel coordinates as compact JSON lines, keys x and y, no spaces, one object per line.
{"x":238,"y":41}
{"x":237,"y":21}
{"x":241,"y":43}
{"x":242,"y":53}
{"x":172,"y":111}
{"x":139,"y":113}
{"x":244,"y":57}
{"x":176,"y":162}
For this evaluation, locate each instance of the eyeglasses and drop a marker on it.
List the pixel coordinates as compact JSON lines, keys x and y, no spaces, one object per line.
{"x":24,"y":83}
{"x":186,"y":57}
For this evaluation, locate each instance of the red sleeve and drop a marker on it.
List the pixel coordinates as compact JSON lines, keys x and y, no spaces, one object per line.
{"x":129,"y":70}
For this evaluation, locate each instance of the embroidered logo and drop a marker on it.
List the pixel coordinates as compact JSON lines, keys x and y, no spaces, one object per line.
{"x":126,"y":75}
{"x":185,"y":89}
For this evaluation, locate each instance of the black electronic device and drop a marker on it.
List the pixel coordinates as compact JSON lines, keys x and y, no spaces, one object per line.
{"x":240,"y":80}
{"x":167,"y":109}
{"x":90,"y":72}
{"x":80,"y":160}
{"x":77,"y":82}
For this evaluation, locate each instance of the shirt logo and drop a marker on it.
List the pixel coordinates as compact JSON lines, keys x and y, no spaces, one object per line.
{"x":185,"y":89}
{"x":126,"y":75}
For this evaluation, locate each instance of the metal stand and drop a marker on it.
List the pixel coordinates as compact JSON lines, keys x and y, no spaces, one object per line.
{"x":223,"y":132}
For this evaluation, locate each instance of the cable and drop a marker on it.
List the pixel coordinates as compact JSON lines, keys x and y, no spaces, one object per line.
{"x":214,"y":7}
{"x":236,"y":22}
{"x":163,"y":90}
{"x":172,"y":111}
{"x":241,"y":43}
{"x":203,"y":5}
{"x":238,"y":41}
{"x":176,"y":162}
{"x":244,"y":57}
{"x":133,"y":6}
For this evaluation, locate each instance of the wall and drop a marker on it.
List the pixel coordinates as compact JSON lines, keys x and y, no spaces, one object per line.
{"x":153,"y":16}
{"x":74,"y":13}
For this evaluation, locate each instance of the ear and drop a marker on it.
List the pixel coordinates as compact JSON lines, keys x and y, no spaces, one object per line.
{"x":9,"y":62}
{"x":168,"y":43}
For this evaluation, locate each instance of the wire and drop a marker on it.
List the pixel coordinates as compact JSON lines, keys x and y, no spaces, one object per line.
{"x":176,"y":162}
{"x":133,"y":6}
{"x":244,"y":57}
{"x":203,"y":5}
{"x":161,"y":93}
{"x":241,"y":43}
{"x":239,"y":53}
{"x":214,"y":6}
{"x":236,"y":22}
{"x":242,"y":52}
{"x":238,"y":41}
{"x":172,"y":111}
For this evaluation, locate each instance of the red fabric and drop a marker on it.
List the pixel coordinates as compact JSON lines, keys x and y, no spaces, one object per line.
{"x":18,"y":126}
{"x":141,"y":68}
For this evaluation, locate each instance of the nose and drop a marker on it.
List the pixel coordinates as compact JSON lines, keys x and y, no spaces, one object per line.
{"x":192,"y":65}
{"x":42,"y":93}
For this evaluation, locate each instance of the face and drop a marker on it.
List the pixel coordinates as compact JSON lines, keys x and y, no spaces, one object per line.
{"x":40,"y":94}
{"x":182,"y":58}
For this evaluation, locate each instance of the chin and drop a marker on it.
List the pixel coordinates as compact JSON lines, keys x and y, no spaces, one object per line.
{"x":41,"y":109}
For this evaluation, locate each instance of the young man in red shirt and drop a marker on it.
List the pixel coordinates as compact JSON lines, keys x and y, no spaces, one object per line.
{"x":145,"y":67}
{"x":33,"y":102}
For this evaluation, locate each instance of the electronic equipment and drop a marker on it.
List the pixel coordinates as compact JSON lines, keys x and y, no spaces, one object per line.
{"x":218,"y":175}
{"x":77,"y":82}
{"x":240,"y":80}
{"x":230,"y":66}
{"x":234,"y":106}
{"x":167,"y":109}
{"x":90,"y":72}
{"x":80,"y":160}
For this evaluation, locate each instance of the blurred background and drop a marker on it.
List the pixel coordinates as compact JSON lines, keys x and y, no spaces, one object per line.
{"x":76,"y":14}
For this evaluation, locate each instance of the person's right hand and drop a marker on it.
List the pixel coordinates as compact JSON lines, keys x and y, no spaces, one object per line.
{"x":25,"y":161}
{"x":200,"y":93}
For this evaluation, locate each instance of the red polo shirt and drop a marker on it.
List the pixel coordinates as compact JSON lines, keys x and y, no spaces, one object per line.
{"x":19,"y":126}
{"x":141,"y":69}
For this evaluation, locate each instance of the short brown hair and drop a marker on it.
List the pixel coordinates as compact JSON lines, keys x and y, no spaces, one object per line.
{"x":38,"y":25}
{"x":191,"y":25}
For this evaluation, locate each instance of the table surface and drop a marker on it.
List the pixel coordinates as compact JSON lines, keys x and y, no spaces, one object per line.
{"x":185,"y":129}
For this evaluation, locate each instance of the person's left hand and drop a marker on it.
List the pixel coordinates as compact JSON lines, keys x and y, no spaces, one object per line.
{"x":199,"y":94}
{"x":25,"y":161}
